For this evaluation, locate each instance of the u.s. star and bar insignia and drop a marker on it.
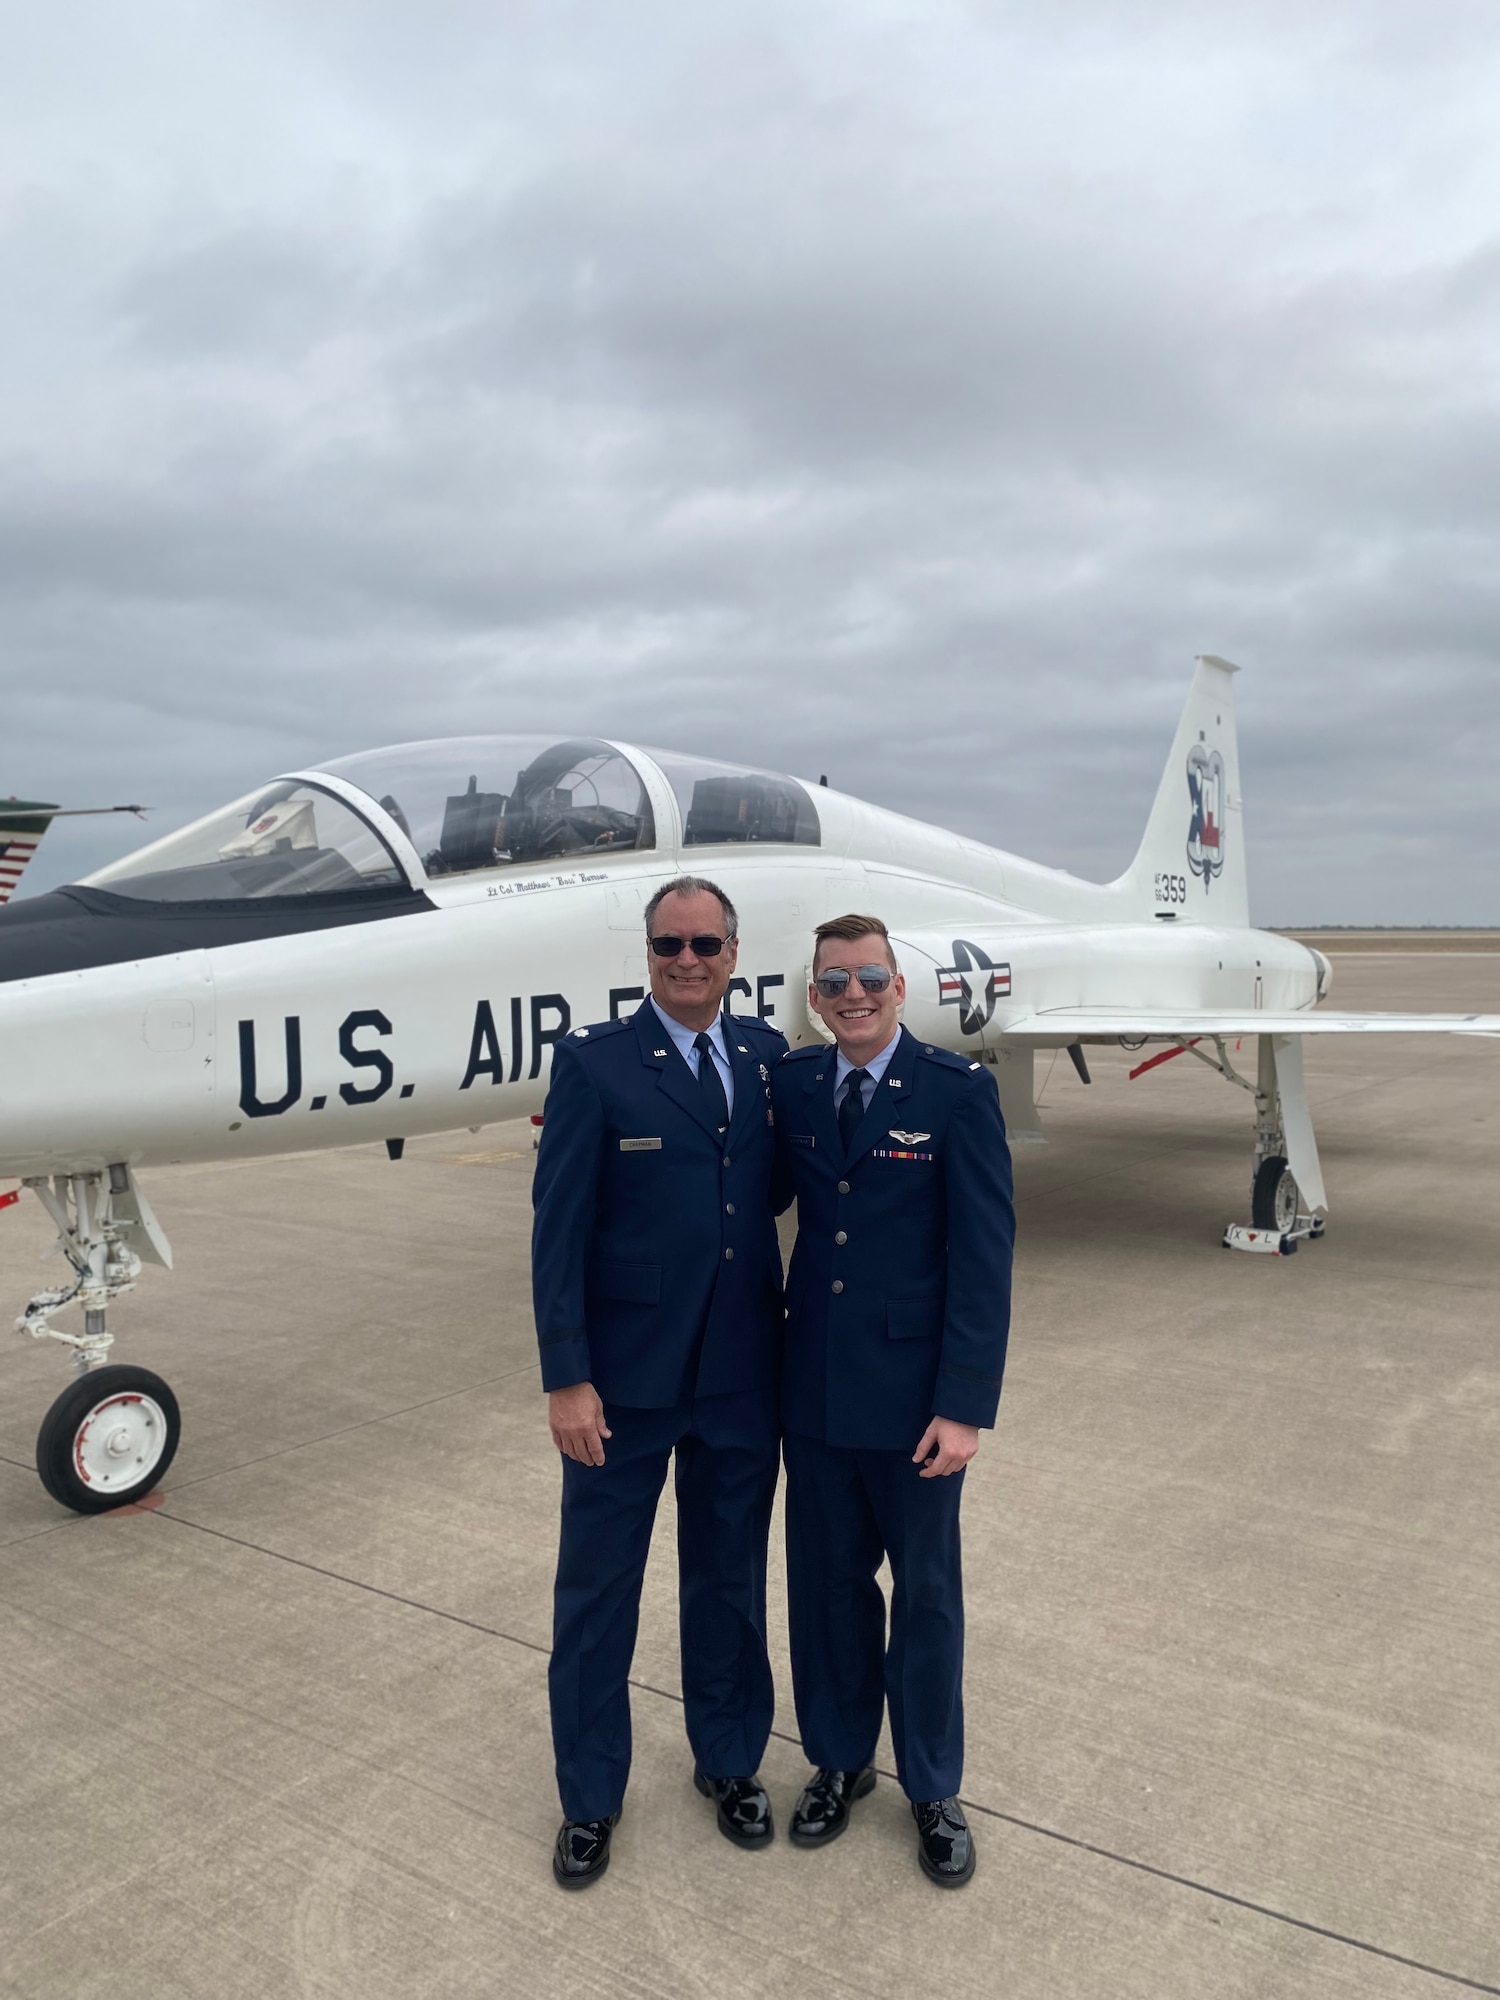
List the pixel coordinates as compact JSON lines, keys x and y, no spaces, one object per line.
{"x":972,"y":983}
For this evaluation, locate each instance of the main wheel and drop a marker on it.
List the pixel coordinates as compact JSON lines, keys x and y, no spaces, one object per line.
{"x":107,"y":1439}
{"x":1274,"y":1199}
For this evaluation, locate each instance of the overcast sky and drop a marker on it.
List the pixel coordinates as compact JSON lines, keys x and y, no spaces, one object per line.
{"x":904,"y":389}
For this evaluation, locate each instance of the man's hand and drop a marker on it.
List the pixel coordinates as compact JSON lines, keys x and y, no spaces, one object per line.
{"x":950,"y":1446}
{"x":577,"y":1419}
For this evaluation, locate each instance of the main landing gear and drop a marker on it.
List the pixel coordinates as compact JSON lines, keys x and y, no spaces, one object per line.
{"x":113,"y":1432}
{"x":1287,"y":1174}
{"x":1278,"y":1222}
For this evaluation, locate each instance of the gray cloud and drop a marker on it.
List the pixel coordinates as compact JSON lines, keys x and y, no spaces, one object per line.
{"x":905,"y":392}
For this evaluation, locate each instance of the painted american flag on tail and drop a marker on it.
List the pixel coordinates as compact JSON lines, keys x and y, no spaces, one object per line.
{"x":22,"y":824}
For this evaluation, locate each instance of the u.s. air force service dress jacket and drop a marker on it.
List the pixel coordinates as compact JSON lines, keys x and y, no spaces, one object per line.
{"x":656,"y":1273}
{"x":898,"y":1297}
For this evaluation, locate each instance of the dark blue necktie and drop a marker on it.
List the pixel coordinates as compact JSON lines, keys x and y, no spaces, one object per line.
{"x":853,"y":1107}
{"x":711,"y":1089}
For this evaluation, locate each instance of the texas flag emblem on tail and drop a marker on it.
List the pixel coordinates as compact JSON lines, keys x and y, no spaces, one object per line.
{"x":1205,"y":840}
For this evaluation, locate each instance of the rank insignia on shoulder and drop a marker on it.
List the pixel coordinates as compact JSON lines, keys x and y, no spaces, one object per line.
{"x":973,"y":1065}
{"x":581,"y":1034}
{"x":907,"y":1138}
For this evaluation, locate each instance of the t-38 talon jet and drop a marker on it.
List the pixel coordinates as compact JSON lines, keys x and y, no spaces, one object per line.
{"x":392,"y":944}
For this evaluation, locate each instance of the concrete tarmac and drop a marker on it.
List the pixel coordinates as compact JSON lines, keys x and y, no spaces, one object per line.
{"x":1231,"y":1573}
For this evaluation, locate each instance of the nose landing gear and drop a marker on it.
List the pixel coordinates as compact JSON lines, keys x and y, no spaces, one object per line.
{"x":108,"y":1439}
{"x":113,"y":1432}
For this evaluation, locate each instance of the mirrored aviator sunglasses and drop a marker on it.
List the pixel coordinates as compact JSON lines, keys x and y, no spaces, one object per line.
{"x":670,"y":946}
{"x":873,"y":978}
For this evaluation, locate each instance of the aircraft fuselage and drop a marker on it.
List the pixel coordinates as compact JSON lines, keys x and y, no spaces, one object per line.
{"x":446,"y":1017}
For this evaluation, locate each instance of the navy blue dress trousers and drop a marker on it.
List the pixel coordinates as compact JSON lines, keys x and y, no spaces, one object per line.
{"x":656,"y":1275}
{"x":898,"y":1310}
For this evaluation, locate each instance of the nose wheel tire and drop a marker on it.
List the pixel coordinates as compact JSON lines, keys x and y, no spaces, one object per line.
{"x":108,"y":1439}
{"x":1274,"y":1199}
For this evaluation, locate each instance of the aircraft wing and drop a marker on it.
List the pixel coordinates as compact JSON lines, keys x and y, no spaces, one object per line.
{"x":1108,"y":1023}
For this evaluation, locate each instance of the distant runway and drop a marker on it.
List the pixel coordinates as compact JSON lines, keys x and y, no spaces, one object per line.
{"x":1424,"y":943}
{"x":1231,"y":1561}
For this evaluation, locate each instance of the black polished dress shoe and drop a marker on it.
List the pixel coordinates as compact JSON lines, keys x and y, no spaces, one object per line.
{"x":582,"y":1852}
{"x":823,"y":1809}
{"x":744,"y":1809}
{"x":945,"y":1846}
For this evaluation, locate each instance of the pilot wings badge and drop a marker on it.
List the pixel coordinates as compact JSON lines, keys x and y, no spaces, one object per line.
{"x":907,"y":1138}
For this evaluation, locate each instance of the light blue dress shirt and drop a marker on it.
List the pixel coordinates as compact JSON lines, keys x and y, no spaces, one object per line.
{"x":876,"y":1067}
{"x":683,"y":1040}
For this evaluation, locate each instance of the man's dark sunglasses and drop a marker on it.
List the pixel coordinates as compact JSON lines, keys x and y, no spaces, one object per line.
{"x":669,"y":946}
{"x":873,"y":978}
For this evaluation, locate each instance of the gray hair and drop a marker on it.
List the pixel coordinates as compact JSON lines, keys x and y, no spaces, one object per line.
{"x":695,"y":885}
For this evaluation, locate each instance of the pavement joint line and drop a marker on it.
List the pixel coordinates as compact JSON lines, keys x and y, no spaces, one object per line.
{"x":348,"y":1430}
{"x":989,"y":1812}
{"x":354,"y":1582}
{"x":35,"y":1534}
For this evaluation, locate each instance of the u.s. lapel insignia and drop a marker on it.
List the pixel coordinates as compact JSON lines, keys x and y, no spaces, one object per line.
{"x":658,"y":1052}
{"x":908,"y":1138}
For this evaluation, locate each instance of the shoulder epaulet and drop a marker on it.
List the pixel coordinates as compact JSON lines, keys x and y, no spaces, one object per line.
{"x":755,"y":1025}
{"x":806,"y":1054}
{"x":596,"y":1031}
{"x":946,"y":1059}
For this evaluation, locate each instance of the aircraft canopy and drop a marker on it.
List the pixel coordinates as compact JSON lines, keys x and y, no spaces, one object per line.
{"x":287,"y":839}
{"x":468,"y":802}
{"x":465,"y":803}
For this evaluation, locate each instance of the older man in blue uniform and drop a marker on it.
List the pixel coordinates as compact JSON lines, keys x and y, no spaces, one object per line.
{"x":898,"y":1306}
{"x":657,"y":1285}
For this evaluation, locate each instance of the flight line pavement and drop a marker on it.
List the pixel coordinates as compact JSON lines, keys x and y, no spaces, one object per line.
{"x":1230,"y":1558}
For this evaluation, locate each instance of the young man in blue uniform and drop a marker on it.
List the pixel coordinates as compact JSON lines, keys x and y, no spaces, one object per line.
{"x":898,"y":1305}
{"x":656,"y":1278}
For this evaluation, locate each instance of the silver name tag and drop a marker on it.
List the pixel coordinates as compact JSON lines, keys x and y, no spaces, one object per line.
{"x":640,"y":1145}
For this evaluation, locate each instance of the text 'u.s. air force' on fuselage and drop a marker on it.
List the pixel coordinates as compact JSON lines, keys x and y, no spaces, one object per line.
{"x":392,"y":944}
{"x":533,"y":1023}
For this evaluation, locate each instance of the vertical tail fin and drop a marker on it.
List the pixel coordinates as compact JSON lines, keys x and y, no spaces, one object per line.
{"x":1191,"y":863}
{"x":22,"y":824}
